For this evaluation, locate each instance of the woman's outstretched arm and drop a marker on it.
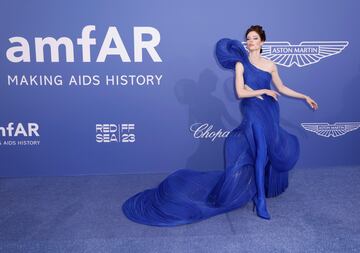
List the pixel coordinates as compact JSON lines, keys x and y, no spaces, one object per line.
{"x":287,"y":91}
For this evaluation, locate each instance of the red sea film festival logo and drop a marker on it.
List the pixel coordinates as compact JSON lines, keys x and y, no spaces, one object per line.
{"x":118,"y":133}
{"x":20,"y":134}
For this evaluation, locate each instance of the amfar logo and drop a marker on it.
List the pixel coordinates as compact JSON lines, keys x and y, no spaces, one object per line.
{"x":335,"y":130}
{"x":204,"y":130}
{"x":21,"y":52}
{"x":303,"y":54}
{"x":29,"y":130}
{"x":106,"y":133}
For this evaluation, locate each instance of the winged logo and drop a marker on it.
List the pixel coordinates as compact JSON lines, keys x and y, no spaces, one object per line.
{"x":326,"y":130}
{"x":306,"y":53}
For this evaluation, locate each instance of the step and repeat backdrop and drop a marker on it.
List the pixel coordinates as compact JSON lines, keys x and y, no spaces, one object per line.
{"x":112,"y":87}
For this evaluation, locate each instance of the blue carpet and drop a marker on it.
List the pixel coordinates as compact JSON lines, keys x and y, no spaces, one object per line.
{"x":319,"y":212}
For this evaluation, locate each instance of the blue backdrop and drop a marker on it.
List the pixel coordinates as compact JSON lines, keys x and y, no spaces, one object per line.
{"x":159,"y":101}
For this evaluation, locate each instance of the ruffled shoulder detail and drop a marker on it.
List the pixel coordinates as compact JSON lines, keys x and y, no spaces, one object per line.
{"x":229,"y":51}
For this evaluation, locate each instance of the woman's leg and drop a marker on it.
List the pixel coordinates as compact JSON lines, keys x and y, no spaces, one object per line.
{"x":261,"y":160}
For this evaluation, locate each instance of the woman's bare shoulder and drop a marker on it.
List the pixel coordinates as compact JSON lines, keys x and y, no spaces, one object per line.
{"x":267,"y":61}
{"x":269,"y":64}
{"x":239,"y":65}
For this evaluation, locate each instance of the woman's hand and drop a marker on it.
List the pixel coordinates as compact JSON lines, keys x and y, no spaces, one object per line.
{"x":272,"y":93}
{"x":311,"y":102}
{"x":249,"y":88}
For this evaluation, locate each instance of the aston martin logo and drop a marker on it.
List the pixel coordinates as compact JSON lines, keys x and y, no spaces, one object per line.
{"x":306,"y":53}
{"x":335,"y":130}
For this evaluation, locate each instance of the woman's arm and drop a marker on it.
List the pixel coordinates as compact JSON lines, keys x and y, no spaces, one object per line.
{"x":287,"y":91}
{"x":249,"y":88}
{"x":281,"y":87}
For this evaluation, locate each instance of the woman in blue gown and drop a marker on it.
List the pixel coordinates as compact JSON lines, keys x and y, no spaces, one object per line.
{"x":258,"y":153}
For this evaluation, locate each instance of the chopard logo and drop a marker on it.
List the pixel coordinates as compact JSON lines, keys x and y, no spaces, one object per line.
{"x":204,"y":131}
{"x":335,"y":130}
{"x":306,"y":53}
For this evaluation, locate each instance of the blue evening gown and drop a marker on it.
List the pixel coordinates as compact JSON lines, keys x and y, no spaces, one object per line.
{"x":188,"y":196}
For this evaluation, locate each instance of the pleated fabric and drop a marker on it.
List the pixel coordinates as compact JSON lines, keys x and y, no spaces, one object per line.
{"x":188,"y":196}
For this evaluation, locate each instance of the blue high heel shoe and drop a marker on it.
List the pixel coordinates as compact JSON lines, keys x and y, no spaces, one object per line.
{"x":261,"y":210}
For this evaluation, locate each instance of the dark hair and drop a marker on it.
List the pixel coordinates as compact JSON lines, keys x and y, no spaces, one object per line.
{"x":259,"y":30}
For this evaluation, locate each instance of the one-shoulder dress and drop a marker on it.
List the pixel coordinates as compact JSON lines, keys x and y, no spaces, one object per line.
{"x":187,"y":195}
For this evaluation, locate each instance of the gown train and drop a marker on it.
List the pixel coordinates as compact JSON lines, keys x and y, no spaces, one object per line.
{"x":258,"y":144}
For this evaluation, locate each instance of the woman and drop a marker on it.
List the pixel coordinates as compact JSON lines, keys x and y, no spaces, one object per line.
{"x":258,"y":153}
{"x":255,"y":38}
